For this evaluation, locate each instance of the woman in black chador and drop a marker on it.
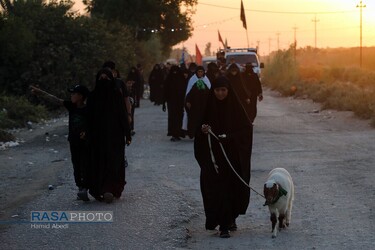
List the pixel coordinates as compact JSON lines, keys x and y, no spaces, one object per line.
{"x":254,"y":86}
{"x":195,"y":101}
{"x":240,"y":90}
{"x":155,"y":81}
{"x":174,"y":94}
{"x":225,"y":196}
{"x":108,"y":128}
{"x":213,"y":71}
{"x":134,"y":73}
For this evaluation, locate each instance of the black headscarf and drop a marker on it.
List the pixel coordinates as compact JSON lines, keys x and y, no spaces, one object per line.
{"x":200,"y":68}
{"x":192,"y":68}
{"x":108,"y":126}
{"x":213,"y":71}
{"x":227,"y":114}
{"x":175,"y":86}
{"x":156,"y":80}
{"x":174,"y":89}
{"x":134,"y":75}
{"x":156,"y":75}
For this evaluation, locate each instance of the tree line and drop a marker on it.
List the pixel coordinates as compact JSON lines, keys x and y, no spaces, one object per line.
{"x":49,"y":45}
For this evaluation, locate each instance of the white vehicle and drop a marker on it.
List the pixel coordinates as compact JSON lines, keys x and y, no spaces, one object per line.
{"x":241,"y":56}
{"x":208,"y":59}
{"x":171,"y":61}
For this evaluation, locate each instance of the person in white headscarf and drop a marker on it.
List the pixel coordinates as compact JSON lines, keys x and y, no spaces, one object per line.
{"x":195,"y":101}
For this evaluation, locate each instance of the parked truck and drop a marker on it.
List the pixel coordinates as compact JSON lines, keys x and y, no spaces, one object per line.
{"x":240,"y":56}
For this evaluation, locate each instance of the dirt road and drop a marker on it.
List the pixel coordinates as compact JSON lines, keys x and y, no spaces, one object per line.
{"x":329,"y":155}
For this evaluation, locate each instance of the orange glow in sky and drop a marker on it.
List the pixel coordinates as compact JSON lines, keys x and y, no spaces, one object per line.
{"x":274,"y":24}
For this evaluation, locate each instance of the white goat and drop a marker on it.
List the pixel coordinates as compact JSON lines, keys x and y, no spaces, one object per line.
{"x":279,"y":193}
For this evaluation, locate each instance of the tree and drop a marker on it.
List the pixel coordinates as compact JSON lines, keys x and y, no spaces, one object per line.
{"x":147,"y":18}
{"x":207,"y":50}
{"x":48,"y":45}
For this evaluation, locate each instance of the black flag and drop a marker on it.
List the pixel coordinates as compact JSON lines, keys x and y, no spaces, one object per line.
{"x":243,"y":17}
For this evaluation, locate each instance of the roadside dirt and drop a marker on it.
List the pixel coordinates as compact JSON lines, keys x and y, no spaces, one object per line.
{"x":28,"y":169}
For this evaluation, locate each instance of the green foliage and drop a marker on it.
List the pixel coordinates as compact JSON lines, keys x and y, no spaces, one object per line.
{"x":281,"y":72}
{"x":16,"y":52}
{"x":149,"y":17}
{"x":17,"y":111}
{"x":149,"y":52}
{"x":47,"y":45}
{"x":43,"y":43}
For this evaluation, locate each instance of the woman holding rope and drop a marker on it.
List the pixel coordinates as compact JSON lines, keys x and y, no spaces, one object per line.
{"x":224,"y":141}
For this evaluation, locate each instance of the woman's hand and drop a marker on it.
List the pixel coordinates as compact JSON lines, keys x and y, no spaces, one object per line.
{"x":82,"y":135}
{"x":188,"y":105}
{"x":205,"y":128}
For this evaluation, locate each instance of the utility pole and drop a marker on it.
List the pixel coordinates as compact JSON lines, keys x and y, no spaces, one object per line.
{"x":360,"y":6}
{"x":278,"y":41}
{"x":295,"y":42}
{"x":315,"y":21}
{"x":295,"y":35}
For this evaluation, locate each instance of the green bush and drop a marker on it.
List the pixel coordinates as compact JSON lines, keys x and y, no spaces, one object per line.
{"x":281,"y":72}
{"x":15,"y":112}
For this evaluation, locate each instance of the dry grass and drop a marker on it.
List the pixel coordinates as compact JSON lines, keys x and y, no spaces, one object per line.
{"x":331,"y":77}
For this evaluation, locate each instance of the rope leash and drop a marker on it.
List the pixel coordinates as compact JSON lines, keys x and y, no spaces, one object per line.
{"x":226,"y":157}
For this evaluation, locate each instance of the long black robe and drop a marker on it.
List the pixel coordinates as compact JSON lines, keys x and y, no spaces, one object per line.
{"x":254,"y":86}
{"x":108,"y":127}
{"x":174,"y":94}
{"x":135,"y":75}
{"x":155,"y":81}
{"x":243,"y":94}
{"x":197,"y":97}
{"x":224,"y":195}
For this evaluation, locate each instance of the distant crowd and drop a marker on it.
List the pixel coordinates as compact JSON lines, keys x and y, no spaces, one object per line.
{"x":184,"y":89}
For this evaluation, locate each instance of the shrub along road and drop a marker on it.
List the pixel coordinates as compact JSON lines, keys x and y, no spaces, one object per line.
{"x":329,"y":155}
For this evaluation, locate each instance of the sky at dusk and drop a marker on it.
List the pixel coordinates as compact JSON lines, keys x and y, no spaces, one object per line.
{"x":274,"y":24}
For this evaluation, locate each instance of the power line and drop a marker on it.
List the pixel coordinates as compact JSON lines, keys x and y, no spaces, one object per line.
{"x":279,"y":12}
{"x":286,"y":31}
{"x":217,"y":22}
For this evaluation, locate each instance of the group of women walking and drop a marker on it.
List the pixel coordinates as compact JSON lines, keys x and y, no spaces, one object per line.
{"x":217,"y":108}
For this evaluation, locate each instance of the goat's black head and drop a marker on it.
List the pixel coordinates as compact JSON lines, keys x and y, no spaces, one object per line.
{"x":270,"y":191}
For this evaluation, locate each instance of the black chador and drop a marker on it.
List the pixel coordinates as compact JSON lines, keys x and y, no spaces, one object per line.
{"x":253,"y":85}
{"x":174,"y":94}
{"x":238,"y":86}
{"x":156,"y":80}
{"x":108,"y":127}
{"x":225,"y":197}
{"x":195,"y":101}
